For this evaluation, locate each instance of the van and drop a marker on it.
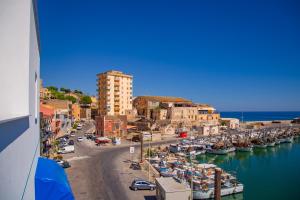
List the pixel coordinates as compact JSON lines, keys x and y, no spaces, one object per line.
{"x":67,"y":149}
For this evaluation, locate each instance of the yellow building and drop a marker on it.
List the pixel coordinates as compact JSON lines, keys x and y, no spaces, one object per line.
{"x":76,"y":111}
{"x":114,"y":93}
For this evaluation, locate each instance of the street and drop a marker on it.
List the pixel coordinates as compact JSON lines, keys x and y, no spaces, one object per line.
{"x":102,"y":172}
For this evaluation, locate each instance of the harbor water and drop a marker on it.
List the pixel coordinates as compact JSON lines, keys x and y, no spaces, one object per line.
{"x":271,"y":173}
{"x":261,"y":116}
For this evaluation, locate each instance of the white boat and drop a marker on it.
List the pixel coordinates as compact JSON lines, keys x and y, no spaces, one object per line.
{"x":289,"y":140}
{"x":260,"y":146}
{"x":244,"y":149}
{"x":225,"y":190}
{"x":220,"y":151}
{"x":271,"y":144}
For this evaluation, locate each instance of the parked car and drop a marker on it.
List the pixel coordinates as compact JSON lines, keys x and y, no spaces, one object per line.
{"x":63,"y":163}
{"x":71,"y":142}
{"x":140,"y":184}
{"x":135,"y":166}
{"x":67,"y":149}
{"x":136,"y":138}
{"x":79,"y":139}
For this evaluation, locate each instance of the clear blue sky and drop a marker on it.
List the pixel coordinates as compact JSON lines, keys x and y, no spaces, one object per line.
{"x":235,"y":55}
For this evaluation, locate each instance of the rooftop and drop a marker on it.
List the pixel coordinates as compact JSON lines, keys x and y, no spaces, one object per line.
{"x":170,"y":185}
{"x":115,"y":73}
{"x":166,"y":99}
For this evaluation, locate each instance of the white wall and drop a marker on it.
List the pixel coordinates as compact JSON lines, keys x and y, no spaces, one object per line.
{"x":14,"y":58}
{"x":18,"y":159}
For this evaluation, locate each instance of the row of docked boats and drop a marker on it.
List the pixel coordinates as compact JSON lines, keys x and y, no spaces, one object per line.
{"x":242,"y":142}
{"x":199,"y":177}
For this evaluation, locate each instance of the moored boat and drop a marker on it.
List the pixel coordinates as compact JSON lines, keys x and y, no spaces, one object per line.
{"x":244,"y":149}
{"x":271,"y":144}
{"x":220,"y":151}
{"x":226,"y":190}
{"x":260,"y":146}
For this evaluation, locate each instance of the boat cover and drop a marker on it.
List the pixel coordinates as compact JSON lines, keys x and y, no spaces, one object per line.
{"x":51,"y":181}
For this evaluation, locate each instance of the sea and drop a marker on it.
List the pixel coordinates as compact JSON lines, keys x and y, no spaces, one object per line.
{"x":267,"y":174}
{"x":261,"y":116}
{"x":271,"y":173}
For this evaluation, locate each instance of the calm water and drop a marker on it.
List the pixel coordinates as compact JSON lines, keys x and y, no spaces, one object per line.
{"x":261,"y":116}
{"x":272,"y":173}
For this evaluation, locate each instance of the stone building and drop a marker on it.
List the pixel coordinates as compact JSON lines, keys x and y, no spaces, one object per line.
{"x":148,"y":106}
{"x":176,"y":110}
{"x":111,"y":126}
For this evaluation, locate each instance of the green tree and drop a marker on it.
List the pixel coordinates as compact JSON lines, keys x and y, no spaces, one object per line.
{"x":71,"y":98}
{"x":65,"y":90}
{"x":52,"y":88}
{"x":78,"y":92}
{"x":60,"y":96}
{"x":85,"y":100}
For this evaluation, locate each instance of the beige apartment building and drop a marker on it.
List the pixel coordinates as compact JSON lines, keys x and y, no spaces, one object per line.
{"x":114,"y":93}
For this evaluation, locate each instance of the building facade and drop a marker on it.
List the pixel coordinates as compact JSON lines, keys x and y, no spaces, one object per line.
{"x":19,"y":107}
{"x":177,"y":110}
{"x":114,"y":93}
{"x":111,"y":126}
{"x":232,"y":123}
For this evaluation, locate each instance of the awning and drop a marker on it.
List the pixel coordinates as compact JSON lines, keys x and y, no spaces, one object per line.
{"x":130,"y":127}
{"x":51,"y":182}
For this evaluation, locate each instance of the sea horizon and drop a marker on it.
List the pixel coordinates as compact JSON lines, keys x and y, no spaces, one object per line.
{"x":248,"y":116}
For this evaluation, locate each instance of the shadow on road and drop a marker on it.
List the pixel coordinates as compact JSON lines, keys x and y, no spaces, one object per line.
{"x":150,"y":197}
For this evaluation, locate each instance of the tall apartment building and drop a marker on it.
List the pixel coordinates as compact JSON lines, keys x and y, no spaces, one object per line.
{"x":19,"y":102}
{"x":114,"y":93}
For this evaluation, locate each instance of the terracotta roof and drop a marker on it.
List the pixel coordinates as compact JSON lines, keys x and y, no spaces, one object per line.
{"x":166,"y":99}
{"x":46,"y":110}
{"x":58,"y":104}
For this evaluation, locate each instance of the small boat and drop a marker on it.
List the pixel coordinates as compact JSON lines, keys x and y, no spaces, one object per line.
{"x":260,"y":146}
{"x":271,"y":144}
{"x":244,"y":149}
{"x":258,"y":143}
{"x":220,"y":151}
{"x":289,"y":139}
{"x":226,"y":189}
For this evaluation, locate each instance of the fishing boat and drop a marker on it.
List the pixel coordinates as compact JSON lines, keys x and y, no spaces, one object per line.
{"x":289,"y":139}
{"x":243,"y":146}
{"x":222,"y":151}
{"x":228,"y":188}
{"x":221,"y":148}
{"x":258,"y":143}
{"x":270,"y":142}
{"x":277,"y":141}
{"x":244,"y":149}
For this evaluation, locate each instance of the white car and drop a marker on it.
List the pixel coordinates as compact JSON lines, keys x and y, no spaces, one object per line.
{"x":67,"y":149}
{"x":79,"y":139}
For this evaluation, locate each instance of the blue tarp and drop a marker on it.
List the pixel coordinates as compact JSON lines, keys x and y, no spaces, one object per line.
{"x":51,"y":182}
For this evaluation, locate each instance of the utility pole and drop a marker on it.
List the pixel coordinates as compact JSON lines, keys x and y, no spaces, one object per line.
{"x":218,"y":172}
{"x":142,"y":146}
{"x":149,"y":158}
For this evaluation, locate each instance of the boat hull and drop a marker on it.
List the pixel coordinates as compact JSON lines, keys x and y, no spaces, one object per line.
{"x":244,"y":149}
{"x":209,"y":194}
{"x":271,"y":144}
{"x":260,"y":146}
{"x":220,"y":151}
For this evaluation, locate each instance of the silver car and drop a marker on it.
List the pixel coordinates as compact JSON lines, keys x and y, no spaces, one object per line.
{"x":142,"y":185}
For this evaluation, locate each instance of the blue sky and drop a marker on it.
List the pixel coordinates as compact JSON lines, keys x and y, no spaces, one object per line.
{"x":235,"y":55}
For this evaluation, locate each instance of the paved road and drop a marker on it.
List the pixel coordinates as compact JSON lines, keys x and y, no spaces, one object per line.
{"x":95,"y":172}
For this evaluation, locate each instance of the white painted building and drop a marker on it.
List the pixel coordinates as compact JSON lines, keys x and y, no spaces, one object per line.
{"x":19,"y":102}
{"x":232,"y":123}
